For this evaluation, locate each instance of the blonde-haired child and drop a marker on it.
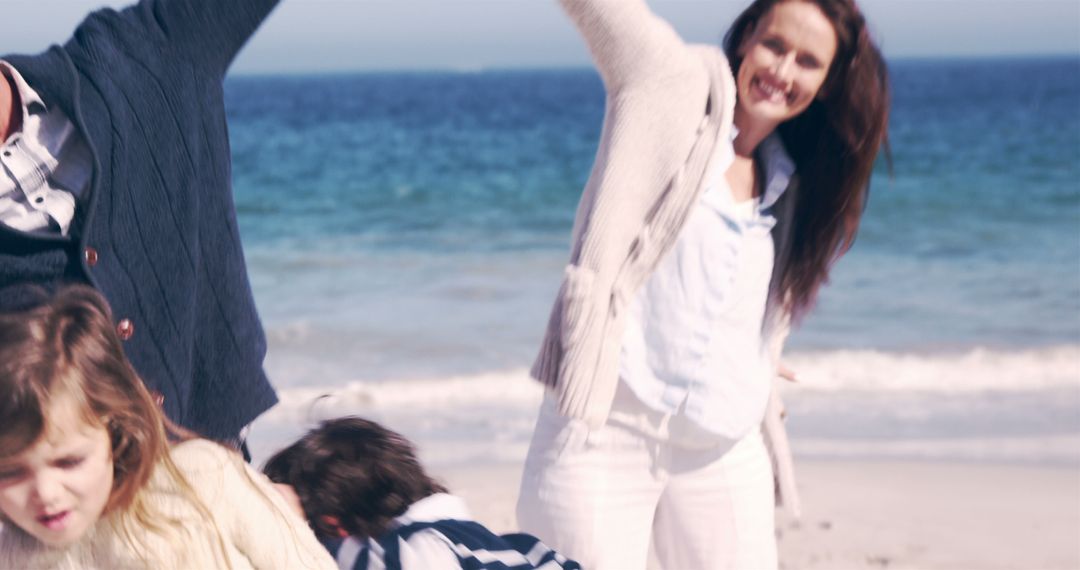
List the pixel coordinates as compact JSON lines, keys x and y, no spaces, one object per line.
{"x":89,"y":477}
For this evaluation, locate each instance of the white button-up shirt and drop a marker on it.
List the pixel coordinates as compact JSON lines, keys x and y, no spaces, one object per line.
{"x":693,"y":343}
{"x":43,"y":166}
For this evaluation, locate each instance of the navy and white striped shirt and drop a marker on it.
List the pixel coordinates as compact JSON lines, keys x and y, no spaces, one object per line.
{"x":424,"y":540}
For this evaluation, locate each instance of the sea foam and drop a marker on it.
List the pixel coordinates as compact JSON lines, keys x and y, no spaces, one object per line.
{"x":978,"y":404}
{"x":977,"y":369}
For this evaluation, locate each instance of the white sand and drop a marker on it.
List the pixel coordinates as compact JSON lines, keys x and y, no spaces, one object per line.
{"x":860,"y":514}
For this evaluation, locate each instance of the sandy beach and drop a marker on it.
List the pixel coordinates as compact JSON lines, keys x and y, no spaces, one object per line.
{"x":895,"y":514}
{"x":973,"y":479}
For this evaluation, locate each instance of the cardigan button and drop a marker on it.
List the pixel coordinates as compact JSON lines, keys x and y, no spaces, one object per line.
{"x":125,"y":329}
{"x":91,"y":256}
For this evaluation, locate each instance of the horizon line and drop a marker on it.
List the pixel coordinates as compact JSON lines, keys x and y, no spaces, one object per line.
{"x":477,"y":69}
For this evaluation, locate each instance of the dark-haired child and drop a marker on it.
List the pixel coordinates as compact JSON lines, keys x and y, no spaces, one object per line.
{"x":374,"y":507}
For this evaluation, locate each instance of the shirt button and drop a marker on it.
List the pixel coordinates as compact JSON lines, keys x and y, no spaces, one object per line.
{"x":125,"y":328}
{"x":91,"y":256}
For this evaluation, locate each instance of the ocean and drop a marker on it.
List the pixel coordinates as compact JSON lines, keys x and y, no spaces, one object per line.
{"x":406,"y":232}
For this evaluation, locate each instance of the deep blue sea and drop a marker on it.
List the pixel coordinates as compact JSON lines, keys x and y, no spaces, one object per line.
{"x":405,"y":234}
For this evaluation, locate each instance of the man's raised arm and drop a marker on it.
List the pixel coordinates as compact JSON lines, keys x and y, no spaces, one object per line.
{"x":208,"y":32}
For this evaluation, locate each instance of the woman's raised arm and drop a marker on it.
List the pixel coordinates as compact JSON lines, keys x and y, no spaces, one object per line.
{"x":628,"y":42}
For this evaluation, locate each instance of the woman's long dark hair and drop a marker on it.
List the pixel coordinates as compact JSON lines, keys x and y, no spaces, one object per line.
{"x":833,"y":142}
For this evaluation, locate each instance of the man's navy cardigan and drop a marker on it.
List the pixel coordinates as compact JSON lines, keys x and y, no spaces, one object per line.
{"x":144,"y":87}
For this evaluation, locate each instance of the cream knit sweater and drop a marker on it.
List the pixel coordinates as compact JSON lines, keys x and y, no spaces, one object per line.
{"x":667,"y":105}
{"x":257,"y":528}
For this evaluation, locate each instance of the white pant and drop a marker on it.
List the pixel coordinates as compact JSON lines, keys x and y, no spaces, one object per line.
{"x":602,"y":496}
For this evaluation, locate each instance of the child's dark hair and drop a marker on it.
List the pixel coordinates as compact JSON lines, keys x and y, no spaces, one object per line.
{"x":354,"y":475}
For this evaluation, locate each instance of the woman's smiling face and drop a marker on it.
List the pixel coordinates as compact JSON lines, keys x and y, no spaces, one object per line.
{"x":785,"y":61}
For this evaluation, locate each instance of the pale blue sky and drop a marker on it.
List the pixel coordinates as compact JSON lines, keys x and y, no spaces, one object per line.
{"x":330,"y":35}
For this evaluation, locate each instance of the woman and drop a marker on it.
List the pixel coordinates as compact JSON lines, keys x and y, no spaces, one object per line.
{"x":723,"y":190}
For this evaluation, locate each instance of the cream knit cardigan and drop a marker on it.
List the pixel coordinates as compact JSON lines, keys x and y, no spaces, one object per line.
{"x":668,"y":104}
{"x":256,"y":527}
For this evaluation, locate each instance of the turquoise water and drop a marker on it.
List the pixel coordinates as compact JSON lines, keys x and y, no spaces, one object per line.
{"x":451,"y":196}
{"x":413,"y":226}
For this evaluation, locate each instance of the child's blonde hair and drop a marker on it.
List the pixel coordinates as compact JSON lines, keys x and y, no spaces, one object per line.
{"x":66,"y":346}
